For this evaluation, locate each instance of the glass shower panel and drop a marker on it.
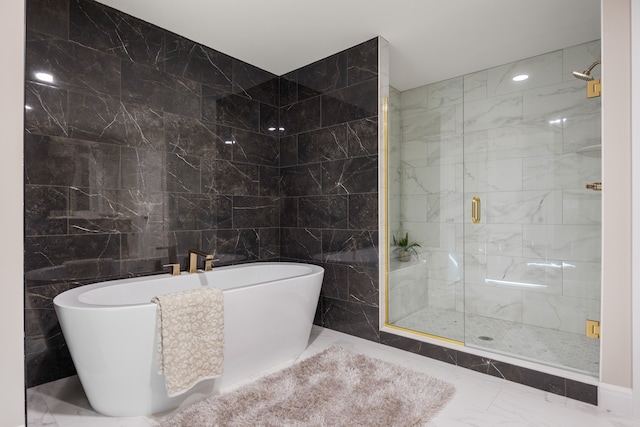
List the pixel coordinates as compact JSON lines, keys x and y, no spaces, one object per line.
{"x":532,"y":233}
{"x":425,"y":183}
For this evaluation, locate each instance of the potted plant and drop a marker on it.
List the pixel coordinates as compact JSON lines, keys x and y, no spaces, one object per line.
{"x":405,"y":247}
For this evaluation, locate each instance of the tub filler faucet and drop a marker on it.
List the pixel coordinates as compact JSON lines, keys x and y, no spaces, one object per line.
{"x":193,"y":260}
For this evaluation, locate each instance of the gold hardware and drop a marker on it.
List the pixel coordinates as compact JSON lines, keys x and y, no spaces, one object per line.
{"x":193,"y":260}
{"x":594,"y":88}
{"x":475,"y":209}
{"x":175,"y":269}
{"x":593,"y":329}
{"x":596,"y":186}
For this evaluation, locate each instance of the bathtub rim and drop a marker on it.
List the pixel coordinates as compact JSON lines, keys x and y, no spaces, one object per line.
{"x":69,"y":299}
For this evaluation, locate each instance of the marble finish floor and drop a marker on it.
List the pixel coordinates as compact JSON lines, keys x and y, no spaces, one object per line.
{"x":480,"y":400}
{"x":551,"y":347}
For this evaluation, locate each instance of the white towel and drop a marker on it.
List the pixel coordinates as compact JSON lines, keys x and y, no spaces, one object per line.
{"x":190,"y":337}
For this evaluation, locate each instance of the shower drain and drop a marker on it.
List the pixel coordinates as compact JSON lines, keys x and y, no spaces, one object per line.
{"x":485,"y":338}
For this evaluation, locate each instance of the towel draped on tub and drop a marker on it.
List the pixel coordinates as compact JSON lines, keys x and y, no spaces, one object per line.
{"x":190,"y":337}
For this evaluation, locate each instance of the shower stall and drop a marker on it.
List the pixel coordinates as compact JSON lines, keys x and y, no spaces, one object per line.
{"x":493,"y":175}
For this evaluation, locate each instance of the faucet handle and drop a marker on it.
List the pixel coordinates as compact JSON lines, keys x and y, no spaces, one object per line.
{"x":175,"y":269}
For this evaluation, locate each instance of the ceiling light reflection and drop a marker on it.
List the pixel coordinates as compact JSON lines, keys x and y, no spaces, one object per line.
{"x":44,"y":77}
{"x":520,"y":77}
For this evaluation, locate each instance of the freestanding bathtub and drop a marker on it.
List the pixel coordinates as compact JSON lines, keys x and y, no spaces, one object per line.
{"x":110,"y":329}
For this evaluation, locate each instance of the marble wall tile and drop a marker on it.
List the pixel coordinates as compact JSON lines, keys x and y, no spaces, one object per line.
{"x":362,"y":137}
{"x":323,"y":76}
{"x":161,"y":91}
{"x":582,"y":132}
{"x":230,"y":178}
{"x":289,"y":150}
{"x":513,"y":142}
{"x":543,"y":70}
{"x":335,"y":284}
{"x":445,"y":150}
{"x":351,"y":243}
{"x":567,"y":314}
{"x":45,"y":110}
{"x":189,"y":136}
{"x":57,"y":161}
{"x":251,"y":212}
{"x":419,"y":124}
{"x":232,"y":110}
{"x":48,"y":17}
{"x":581,"y":279}
{"x":198,"y":211}
{"x":504,"y":239}
{"x":243,"y":242}
{"x":534,"y":275}
{"x":255,"y":83}
{"x":408,"y":291}
{"x":446,"y":92}
{"x":351,"y":103}
{"x":199,"y":63}
{"x":302,"y":180}
{"x":46,"y":209}
{"x":354,"y":175}
{"x":445,"y":207}
{"x":363,"y":211}
{"x":301,"y":116}
{"x":269,"y":181}
{"x":580,"y":57}
{"x":566,"y":242}
{"x":364,"y":285}
{"x":114,"y":211}
{"x":107,"y":30}
{"x":351,"y":318}
{"x":362,"y":63}
{"x":493,"y":175}
{"x":499,"y":111}
{"x":323,"y":144}
{"x":269,"y":243}
{"x":72,"y":65}
{"x":183,"y":173}
{"x":443,"y":294}
{"x":288,"y":88}
{"x":323,"y":211}
{"x":301,"y":243}
{"x":565,"y":171}
{"x":558,"y":101}
{"x":142,"y":169}
{"x":490,"y":301}
{"x":446,"y":266}
{"x":524,"y":207}
{"x":581,"y":207}
{"x":48,"y":251}
{"x":475,"y":86}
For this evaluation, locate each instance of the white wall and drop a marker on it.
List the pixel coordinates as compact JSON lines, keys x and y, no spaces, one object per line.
{"x":616,"y":194}
{"x":11,"y":303}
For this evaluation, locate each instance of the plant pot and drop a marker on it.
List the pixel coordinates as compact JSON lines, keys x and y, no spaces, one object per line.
{"x":405,"y":256}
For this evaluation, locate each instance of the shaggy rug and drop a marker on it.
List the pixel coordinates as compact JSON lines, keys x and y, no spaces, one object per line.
{"x":332,"y":388}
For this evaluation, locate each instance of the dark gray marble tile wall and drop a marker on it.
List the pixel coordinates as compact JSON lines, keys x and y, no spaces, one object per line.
{"x":144,"y":145}
{"x":329,"y":160}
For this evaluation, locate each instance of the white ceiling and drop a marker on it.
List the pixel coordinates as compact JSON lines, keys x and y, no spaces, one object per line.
{"x":431,"y":40}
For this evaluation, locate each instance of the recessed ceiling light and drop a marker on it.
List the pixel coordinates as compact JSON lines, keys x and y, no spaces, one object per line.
{"x":44,"y":77}
{"x":520,"y":77}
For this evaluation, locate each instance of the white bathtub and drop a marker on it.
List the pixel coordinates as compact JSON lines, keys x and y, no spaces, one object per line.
{"x":110,"y":329}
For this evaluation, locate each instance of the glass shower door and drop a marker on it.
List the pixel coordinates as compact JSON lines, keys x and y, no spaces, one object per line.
{"x":532,"y":232}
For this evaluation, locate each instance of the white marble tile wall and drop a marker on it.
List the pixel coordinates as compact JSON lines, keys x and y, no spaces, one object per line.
{"x":527,"y":149}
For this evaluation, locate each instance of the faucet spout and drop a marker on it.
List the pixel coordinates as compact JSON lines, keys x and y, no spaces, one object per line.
{"x":193,"y":260}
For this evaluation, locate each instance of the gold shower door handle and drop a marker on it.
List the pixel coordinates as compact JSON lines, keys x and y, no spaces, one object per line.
{"x":475,"y":209}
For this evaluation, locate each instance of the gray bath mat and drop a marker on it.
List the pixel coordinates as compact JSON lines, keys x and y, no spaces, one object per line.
{"x":333,"y":388}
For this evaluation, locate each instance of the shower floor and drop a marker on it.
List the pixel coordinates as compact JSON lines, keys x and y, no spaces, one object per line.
{"x":565,"y":350}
